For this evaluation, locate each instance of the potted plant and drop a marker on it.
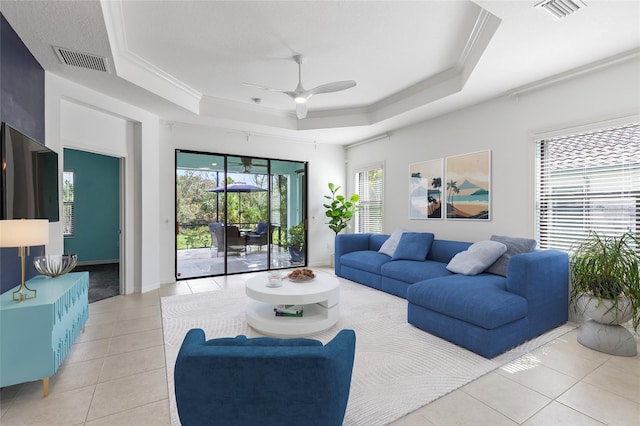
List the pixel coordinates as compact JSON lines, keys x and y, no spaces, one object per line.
{"x":295,"y":243}
{"x":341,"y":209}
{"x":605,"y":287}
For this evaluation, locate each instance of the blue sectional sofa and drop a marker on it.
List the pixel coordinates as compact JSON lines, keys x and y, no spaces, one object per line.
{"x":485,"y":313}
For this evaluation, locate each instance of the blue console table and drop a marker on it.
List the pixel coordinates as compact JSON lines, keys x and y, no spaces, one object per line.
{"x":36,"y":334}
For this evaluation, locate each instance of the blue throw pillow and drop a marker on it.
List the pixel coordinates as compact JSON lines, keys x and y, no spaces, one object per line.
{"x":389,"y":246}
{"x":413,"y":246}
{"x":261,"y":341}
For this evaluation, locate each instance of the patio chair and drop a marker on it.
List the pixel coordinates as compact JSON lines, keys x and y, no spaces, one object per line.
{"x":212,"y":228}
{"x":260,"y":237}
{"x":236,"y":242}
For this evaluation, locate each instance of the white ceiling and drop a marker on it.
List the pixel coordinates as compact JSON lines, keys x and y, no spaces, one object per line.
{"x":412,"y":60}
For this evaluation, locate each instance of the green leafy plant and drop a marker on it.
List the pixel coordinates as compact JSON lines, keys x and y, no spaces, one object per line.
{"x":295,"y":237}
{"x":292,"y":239}
{"x":341,"y":209}
{"x":197,"y":237}
{"x":608,"y":268}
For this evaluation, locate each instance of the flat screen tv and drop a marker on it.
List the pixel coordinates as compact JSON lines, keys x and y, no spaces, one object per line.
{"x":29,"y":178}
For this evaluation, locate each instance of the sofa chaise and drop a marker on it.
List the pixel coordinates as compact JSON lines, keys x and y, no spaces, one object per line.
{"x":520,"y":295}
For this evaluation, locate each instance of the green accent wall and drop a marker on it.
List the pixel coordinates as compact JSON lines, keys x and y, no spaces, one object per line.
{"x":97,"y":206}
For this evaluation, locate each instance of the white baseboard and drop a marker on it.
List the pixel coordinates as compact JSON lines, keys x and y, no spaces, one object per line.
{"x":98,"y":262}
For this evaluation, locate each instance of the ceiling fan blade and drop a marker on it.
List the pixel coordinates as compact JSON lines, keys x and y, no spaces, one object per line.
{"x":301,"y":110}
{"x":331,"y":87}
{"x":271,"y":89}
{"x":300,"y":95}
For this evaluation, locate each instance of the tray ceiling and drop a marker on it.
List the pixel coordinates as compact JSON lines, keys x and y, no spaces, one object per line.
{"x":187,"y":60}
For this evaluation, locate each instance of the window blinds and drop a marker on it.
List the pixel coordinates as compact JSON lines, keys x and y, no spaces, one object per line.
{"x":587,"y":182}
{"x":68,"y":204}
{"x":369,"y":189}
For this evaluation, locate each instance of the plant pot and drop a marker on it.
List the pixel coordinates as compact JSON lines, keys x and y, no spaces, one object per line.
{"x":602,"y":331}
{"x":605,"y":311}
{"x":297,"y":255}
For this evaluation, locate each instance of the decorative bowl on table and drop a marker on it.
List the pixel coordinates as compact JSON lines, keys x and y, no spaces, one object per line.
{"x":301,"y":275}
{"x":55,"y":265}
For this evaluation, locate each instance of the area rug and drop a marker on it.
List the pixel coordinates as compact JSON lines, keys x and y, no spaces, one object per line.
{"x":398,"y":368}
{"x":104,"y":280}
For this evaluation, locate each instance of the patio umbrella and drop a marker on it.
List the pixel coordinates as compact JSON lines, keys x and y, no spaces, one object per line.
{"x":238,"y":187}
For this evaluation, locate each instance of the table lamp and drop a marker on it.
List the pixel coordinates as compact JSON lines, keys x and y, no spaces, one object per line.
{"x":23,"y":233}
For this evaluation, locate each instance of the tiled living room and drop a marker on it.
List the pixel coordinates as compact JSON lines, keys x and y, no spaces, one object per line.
{"x":508,"y":79}
{"x":116,"y":375}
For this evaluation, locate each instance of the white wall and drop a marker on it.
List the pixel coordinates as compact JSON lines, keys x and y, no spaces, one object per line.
{"x":92,"y":130}
{"x":326,"y":164}
{"x":508,"y":126}
{"x":77,"y":117}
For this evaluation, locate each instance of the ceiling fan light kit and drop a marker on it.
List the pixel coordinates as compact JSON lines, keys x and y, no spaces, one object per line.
{"x":300,"y":96}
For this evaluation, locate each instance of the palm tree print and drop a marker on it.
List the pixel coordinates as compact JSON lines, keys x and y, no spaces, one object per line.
{"x":452,"y":189}
{"x":436,"y":183}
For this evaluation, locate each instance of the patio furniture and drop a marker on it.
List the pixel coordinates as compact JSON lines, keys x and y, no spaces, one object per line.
{"x":212,"y":228}
{"x":235,"y":242}
{"x":260,"y":237}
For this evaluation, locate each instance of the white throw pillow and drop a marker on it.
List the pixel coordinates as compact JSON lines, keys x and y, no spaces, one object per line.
{"x":476,"y":258}
{"x":389,"y":246}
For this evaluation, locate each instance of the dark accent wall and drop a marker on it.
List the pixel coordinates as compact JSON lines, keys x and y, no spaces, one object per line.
{"x":96,"y":187}
{"x":22,"y":106}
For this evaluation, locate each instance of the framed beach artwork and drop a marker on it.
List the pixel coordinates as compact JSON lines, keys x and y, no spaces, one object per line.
{"x":468,"y":186}
{"x":425,"y":189}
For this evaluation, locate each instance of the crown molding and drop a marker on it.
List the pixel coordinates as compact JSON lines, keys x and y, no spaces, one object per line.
{"x":484,"y":28}
{"x":567,"y":75}
{"x":137,"y":70}
{"x":134,"y":68}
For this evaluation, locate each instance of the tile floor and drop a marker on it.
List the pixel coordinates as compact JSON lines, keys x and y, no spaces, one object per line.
{"x":115,"y":375}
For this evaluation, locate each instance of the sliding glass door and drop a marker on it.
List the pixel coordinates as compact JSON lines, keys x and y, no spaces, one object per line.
{"x":238,"y":214}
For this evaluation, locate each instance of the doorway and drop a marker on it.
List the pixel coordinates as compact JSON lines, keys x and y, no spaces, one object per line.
{"x":237,"y":214}
{"x":91,"y":219}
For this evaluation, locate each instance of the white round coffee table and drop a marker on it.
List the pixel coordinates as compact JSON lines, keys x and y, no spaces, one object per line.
{"x":319,"y":297}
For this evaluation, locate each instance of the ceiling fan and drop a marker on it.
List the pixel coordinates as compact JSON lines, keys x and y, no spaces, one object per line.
{"x":300,"y":95}
{"x":247,"y":162}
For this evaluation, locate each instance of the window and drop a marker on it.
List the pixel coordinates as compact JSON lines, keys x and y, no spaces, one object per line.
{"x":369,"y":189}
{"x":68,"y":206}
{"x":587,"y":182}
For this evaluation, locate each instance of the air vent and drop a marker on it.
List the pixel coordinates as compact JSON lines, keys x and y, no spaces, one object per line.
{"x":560,"y":9}
{"x":81,"y":60}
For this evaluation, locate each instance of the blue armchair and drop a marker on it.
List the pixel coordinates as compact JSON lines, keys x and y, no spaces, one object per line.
{"x":263,"y":381}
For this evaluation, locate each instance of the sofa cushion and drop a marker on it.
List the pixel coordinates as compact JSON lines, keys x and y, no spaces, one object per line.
{"x":476,"y":258}
{"x":242,"y":340}
{"x":376,"y":241}
{"x":514,"y":246}
{"x":365,"y":260}
{"x":389,"y":246}
{"x":444,"y":250}
{"x":413,"y":246}
{"x":481,"y":300}
{"x":411,"y":271}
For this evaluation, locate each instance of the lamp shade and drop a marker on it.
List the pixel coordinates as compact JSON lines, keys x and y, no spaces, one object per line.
{"x":24,"y":232}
